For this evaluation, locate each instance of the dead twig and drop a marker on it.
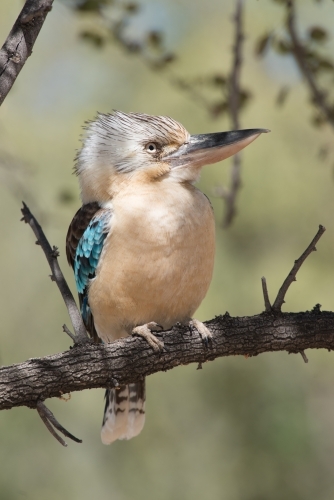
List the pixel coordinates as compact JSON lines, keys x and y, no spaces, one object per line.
{"x":267,"y":304}
{"x":303,"y":355}
{"x":279,"y":301}
{"x":51,"y":254}
{"x":50,"y":422}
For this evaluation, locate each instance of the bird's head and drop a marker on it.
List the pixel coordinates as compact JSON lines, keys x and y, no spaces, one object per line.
{"x":125,"y":147}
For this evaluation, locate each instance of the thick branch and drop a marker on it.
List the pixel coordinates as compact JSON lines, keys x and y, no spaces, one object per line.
{"x":97,"y":365}
{"x":20,"y":41}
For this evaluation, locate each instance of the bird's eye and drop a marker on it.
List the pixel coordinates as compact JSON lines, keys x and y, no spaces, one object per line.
{"x":151,"y":147}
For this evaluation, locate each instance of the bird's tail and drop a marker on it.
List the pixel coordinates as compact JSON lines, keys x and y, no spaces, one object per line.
{"x":124,"y":413}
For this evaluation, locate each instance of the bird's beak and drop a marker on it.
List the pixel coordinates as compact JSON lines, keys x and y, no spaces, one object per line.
{"x":204,"y":149}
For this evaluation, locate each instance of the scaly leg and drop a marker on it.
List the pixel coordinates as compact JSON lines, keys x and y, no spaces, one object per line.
{"x":204,"y":332}
{"x":145,"y":332}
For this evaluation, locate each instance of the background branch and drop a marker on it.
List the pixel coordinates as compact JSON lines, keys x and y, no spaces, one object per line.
{"x":230,"y":195}
{"x":298,"y":51}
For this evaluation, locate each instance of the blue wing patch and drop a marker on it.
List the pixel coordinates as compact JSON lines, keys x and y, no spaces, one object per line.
{"x":89,"y":250}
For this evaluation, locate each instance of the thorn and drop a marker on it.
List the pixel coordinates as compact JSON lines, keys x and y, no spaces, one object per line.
{"x":52,"y":278}
{"x":199,"y":366}
{"x":37,"y":242}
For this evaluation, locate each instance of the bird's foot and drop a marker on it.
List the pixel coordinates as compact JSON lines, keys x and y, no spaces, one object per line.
{"x":145,"y":331}
{"x":203,"y":331}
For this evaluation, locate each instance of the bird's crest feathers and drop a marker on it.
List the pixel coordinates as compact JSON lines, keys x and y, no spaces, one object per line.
{"x":117,"y":138}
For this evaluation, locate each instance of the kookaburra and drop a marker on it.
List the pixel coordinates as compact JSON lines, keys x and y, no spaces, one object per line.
{"x":142,"y":245}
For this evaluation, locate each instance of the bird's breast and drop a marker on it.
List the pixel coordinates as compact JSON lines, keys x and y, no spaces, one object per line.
{"x":157,"y":262}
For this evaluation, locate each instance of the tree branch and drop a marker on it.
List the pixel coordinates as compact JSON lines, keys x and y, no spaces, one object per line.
{"x":20,"y":41}
{"x":89,"y":365}
{"x":127,"y":360}
{"x":279,"y":301}
{"x":298,"y":51}
{"x":51,"y":255}
{"x":230,"y":195}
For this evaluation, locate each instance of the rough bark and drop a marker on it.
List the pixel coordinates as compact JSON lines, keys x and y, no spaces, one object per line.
{"x":96,"y":365}
{"x":20,"y":41}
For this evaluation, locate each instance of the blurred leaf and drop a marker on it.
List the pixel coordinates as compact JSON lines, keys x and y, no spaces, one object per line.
{"x":65,"y":196}
{"x":131,"y":7}
{"x":155,"y":38}
{"x":219,"y":80}
{"x":318,"y":120}
{"x":326,"y":65}
{"x":168,"y":58}
{"x":282,"y":47}
{"x":282,"y":95}
{"x":317,"y":34}
{"x":244,"y":97}
{"x":93,"y":38}
{"x":262,"y":44}
{"x":91,"y":5}
{"x":219,"y":109}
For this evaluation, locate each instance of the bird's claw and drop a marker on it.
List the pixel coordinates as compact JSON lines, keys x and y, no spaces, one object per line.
{"x":145,"y":332}
{"x":203,"y":331}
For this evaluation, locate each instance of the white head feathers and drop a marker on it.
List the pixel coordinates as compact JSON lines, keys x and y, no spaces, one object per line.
{"x":118,"y":140}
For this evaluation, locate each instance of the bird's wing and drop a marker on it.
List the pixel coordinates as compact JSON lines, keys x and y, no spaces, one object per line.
{"x":84,"y":243}
{"x":77,"y":228}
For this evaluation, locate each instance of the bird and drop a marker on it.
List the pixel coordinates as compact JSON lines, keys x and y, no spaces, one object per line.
{"x":142,"y":244}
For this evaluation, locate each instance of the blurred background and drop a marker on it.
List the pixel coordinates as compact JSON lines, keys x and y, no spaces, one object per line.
{"x":240,"y":429}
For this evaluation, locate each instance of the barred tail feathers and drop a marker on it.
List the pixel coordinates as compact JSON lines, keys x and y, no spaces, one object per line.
{"x":124,"y":414}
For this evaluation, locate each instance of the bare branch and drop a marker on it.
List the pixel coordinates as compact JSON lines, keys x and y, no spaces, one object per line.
{"x":51,"y":254}
{"x":50,"y":420}
{"x":279,"y":301}
{"x":20,"y":41}
{"x":267,"y":304}
{"x":234,"y":108}
{"x":298,"y":51}
{"x":91,"y":365}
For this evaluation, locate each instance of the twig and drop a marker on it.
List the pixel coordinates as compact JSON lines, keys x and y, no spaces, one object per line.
{"x":51,"y":254}
{"x":234,"y":108}
{"x":303,"y":355}
{"x":50,"y":420}
{"x":20,"y":41}
{"x":298,"y":51}
{"x":279,"y":301}
{"x":267,"y":304}
{"x":69,"y":333}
